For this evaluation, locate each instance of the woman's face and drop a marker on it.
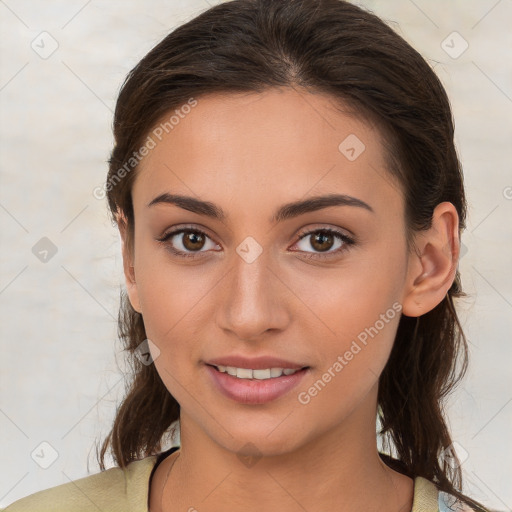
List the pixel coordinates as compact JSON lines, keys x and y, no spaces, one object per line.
{"x":258,"y":285}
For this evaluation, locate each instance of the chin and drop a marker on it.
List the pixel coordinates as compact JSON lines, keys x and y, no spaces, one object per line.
{"x":261,"y":442}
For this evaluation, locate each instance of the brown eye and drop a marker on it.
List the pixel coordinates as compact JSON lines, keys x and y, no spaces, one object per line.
{"x":193,"y":240}
{"x":185,"y":242}
{"x":188,"y":243}
{"x":322,"y":241}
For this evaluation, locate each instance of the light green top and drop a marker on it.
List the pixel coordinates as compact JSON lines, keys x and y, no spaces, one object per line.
{"x":117,"y":490}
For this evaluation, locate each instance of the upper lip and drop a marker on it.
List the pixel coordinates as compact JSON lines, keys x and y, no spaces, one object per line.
{"x":255,"y":363}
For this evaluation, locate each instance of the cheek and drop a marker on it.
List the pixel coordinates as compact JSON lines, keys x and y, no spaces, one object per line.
{"x":345,"y":300}
{"x":173,"y":300}
{"x":168,"y":292}
{"x":352,"y":316}
{"x":352,"y":359}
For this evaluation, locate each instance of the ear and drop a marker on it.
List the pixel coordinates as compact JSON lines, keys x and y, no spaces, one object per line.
{"x":128,"y":261}
{"x":433,"y":264}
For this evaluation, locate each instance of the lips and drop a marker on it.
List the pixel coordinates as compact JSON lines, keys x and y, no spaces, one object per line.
{"x":255,"y":363}
{"x":253,"y":391}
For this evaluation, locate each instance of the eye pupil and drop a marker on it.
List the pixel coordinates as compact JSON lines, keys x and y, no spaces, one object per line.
{"x":320,"y":239}
{"x":191,"y":239}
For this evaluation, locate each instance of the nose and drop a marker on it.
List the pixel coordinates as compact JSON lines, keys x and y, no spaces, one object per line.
{"x":254,"y":299}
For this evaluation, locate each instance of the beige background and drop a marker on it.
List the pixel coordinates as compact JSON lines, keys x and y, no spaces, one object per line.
{"x":60,"y":370}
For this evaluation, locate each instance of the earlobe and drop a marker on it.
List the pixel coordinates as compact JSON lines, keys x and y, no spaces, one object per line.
{"x":128,"y":263}
{"x":433,"y":265}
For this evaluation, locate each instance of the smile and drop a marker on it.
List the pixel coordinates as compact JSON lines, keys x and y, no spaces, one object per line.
{"x":260,"y":374}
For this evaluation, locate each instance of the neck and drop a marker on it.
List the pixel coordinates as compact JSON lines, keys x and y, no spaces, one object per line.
{"x":338,"y":470}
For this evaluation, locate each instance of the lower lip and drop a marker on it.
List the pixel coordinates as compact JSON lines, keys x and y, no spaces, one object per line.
{"x":254,"y":391}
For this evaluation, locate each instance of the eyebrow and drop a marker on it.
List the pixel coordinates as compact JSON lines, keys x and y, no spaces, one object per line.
{"x":286,"y":211}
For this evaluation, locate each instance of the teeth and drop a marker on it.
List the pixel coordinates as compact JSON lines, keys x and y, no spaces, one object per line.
{"x":276,"y":372}
{"x":244,"y":373}
{"x":247,"y":373}
{"x":260,"y":374}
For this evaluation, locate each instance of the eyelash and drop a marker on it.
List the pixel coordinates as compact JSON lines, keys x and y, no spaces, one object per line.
{"x":347,"y":242}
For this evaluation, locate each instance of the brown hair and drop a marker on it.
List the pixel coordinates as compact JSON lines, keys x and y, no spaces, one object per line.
{"x":333,"y":47}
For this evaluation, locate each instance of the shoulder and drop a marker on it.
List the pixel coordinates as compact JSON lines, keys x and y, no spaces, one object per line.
{"x":111,"y":490}
{"x":449,"y":503}
{"x":428,"y":498}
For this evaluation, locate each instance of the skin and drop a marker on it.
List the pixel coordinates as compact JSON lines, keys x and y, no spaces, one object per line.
{"x":249,"y":154}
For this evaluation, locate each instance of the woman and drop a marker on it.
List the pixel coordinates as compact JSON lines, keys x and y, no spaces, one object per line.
{"x":290,"y":202}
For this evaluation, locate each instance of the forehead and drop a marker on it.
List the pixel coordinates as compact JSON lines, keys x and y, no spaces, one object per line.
{"x":253,"y":147}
